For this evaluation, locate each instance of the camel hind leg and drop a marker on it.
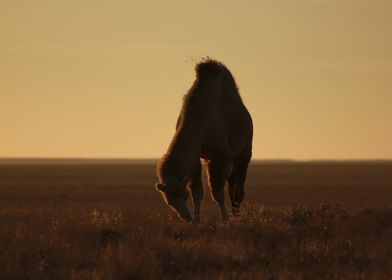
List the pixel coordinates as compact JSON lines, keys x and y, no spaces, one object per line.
{"x":237,"y":180}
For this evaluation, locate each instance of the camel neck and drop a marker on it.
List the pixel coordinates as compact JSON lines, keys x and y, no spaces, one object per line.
{"x":186,"y":147}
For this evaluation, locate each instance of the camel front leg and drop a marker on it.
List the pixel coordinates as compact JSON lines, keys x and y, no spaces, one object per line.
{"x":216,"y":180}
{"x":197,"y":195}
{"x":219,"y":198}
{"x":196,"y":187}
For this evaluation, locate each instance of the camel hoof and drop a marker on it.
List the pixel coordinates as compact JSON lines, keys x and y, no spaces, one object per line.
{"x":224,"y":219}
{"x":235,"y":210}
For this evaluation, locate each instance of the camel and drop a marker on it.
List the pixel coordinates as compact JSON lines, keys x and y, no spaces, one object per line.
{"x":215,"y":126}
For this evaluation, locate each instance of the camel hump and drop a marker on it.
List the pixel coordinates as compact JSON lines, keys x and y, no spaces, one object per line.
{"x":208,"y":69}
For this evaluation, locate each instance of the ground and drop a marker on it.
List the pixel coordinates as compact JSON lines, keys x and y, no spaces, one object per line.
{"x":104,"y":220}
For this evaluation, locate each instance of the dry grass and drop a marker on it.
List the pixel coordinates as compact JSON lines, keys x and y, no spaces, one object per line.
{"x":106,"y":222}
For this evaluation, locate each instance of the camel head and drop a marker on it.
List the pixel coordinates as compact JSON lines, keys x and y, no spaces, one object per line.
{"x":175,"y":200}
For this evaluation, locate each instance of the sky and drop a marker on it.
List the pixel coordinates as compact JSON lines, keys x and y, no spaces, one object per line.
{"x":105,"y":78}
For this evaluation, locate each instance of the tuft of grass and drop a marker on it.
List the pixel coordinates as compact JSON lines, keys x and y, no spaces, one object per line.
{"x":317,"y":221}
{"x":279,"y":243}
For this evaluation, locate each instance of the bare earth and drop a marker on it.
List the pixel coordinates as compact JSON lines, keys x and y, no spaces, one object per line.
{"x":104,"y":220}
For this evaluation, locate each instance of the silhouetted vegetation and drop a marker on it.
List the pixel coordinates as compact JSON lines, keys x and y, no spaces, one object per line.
{"x":300,"y":221}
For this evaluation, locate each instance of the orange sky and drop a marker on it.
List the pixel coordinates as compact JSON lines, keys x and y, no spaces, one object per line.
{"x":84,"y":78}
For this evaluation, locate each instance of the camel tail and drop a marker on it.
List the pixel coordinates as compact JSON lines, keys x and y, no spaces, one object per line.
{"x":208,"y":69}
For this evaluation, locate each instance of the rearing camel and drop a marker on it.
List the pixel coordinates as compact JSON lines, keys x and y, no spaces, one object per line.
{"x":214,"y":125}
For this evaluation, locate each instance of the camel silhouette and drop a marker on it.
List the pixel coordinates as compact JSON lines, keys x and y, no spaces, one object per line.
{"x":213,"y":125}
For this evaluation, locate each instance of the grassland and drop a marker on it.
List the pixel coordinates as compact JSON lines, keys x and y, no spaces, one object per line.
{"x":104,"y":220}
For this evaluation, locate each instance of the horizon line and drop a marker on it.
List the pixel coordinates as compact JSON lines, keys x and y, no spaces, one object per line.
{"x":120,"y":159}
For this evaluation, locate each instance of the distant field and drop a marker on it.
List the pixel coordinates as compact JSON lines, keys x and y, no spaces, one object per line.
{"x":104,"y":220}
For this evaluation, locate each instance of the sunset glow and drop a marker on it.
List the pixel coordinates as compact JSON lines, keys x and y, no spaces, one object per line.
{"x":105,"y":79}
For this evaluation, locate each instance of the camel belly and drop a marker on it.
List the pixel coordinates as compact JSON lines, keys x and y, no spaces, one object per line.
{"x":220,"y":143}
{"x":228,"y":135}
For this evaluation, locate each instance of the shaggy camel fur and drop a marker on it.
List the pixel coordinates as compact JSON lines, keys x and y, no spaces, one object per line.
{"x":214,"y":125}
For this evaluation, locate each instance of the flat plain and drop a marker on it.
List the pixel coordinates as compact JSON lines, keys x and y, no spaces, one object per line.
{"x":104,"y":220}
